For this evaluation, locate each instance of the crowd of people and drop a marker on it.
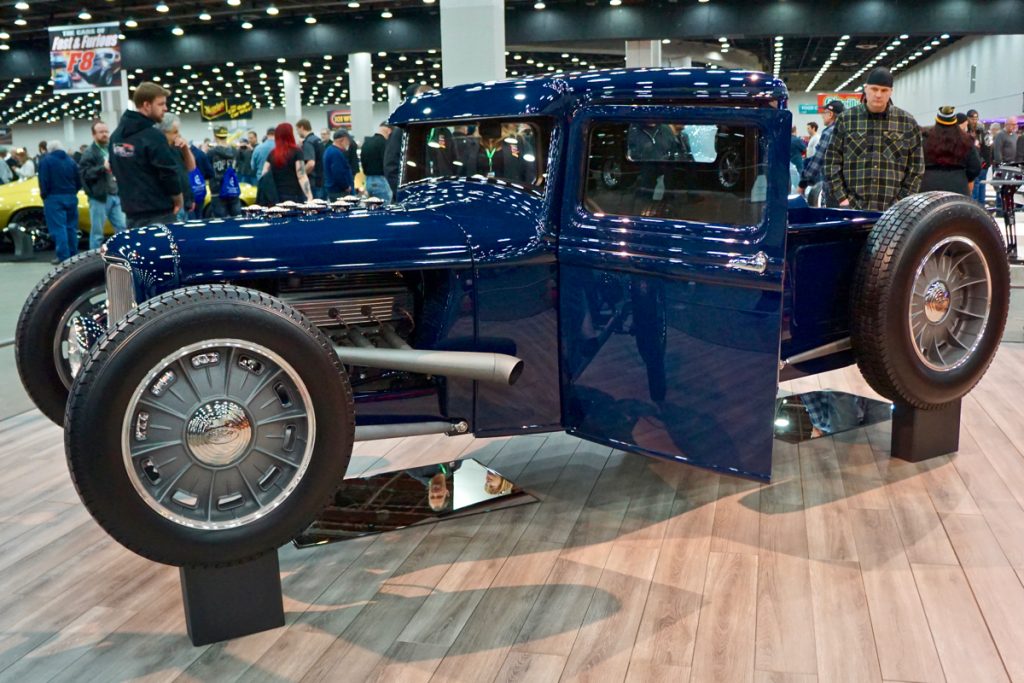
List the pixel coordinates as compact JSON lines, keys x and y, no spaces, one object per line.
{"x":872,"y":155}
{"x":144,"y":172}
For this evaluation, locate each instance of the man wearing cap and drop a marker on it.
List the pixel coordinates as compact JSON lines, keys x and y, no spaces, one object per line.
{"x":337,"y":173}
{"x":875,"y":157}
{"x":222,"y":157}
{"x":261,"y":152}
{"x":811,"y":174}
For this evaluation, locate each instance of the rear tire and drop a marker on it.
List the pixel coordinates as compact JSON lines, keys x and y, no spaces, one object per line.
{"x":930,"y":299}
{"x":209,"y":427}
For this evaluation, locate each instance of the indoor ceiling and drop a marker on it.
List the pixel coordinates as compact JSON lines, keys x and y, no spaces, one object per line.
{"x":822,"y":63}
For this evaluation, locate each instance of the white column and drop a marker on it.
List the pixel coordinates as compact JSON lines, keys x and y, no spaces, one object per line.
{"x":114,"y":103}
{"x":292,"y":96}
{"x":640,"y":53}
{"x":472,"y":41}
{"x":360,"y":88}
{"x":394,"y":96}
{"x":69,"y":135}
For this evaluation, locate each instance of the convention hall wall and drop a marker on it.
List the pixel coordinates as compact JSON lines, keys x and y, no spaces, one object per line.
{"x":946,"y":79}
{"x":192,"y":127}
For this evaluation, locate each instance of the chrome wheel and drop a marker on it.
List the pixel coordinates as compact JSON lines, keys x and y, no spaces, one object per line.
{"x":218,"y":434}
{"x":950,"y":303}
{"x":729,"y":169}
{"x":79,"y":327}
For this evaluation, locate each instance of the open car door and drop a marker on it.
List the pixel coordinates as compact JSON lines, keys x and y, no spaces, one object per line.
{"x":671,"y":260}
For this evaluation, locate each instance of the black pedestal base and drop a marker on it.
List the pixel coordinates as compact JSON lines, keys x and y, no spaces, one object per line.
{"x":921,"y":434}
{"x":230,"y":602}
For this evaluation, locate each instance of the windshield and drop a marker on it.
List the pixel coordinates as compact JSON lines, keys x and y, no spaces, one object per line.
{"x":511,"y":150}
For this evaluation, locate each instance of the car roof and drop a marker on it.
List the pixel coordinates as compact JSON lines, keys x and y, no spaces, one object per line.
{"x":561,"y":93}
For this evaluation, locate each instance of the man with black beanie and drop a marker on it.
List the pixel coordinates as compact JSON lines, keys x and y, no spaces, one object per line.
{"x":875,"y":158}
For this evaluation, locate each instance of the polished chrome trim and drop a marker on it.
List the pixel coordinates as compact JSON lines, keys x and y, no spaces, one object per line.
{"x":818,"y":352}
{"x":120,"y":292}
{"x":758,"y":263}
{"x":482,"y":366}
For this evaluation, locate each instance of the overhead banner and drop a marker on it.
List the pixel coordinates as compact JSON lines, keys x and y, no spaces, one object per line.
{"x":339,"y":118}
{"x":85,"y":57}
{"x":222,"y":110}
{"x":847,"y":98}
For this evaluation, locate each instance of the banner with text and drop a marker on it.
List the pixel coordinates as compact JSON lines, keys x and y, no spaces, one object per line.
{"x":85,"y":57}
{"x":220,"y":110}
{"x":849,"y":99}
{"x":339,"y":118}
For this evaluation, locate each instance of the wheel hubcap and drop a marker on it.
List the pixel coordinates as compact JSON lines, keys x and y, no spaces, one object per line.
{"x":82,"y":324}
{"x":218,"y":434}
{"x":949,"y":304}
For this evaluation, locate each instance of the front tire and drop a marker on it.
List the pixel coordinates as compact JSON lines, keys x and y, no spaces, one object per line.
{"x":930,"y":299}
{"x":67,"y":307}
{"x":209,"y":427}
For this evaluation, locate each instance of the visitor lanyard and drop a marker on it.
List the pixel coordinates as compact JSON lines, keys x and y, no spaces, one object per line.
{"x":490,"y":159}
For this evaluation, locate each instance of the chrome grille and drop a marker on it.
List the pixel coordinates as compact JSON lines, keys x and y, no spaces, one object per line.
{"x":120,"y":293}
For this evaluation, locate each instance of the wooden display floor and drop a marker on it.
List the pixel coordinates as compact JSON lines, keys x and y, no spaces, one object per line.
{"x":848,"y":567}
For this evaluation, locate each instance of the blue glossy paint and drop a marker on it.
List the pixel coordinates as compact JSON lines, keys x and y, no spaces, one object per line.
{"x":634,"y":331}
{"x":664,"y":348}
{"x":560,"y":96}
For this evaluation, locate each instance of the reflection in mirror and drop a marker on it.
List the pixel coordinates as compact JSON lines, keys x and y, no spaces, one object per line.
{"x":806,"y":416}
{"x":394,"y":500}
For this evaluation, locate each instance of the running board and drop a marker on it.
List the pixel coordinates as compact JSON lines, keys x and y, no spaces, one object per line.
{"x":819,"y":352}
{"x":400,"y":429}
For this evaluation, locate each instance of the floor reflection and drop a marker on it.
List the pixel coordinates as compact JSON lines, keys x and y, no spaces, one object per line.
{"x":394,"y":500}
{"x":806,"y":416}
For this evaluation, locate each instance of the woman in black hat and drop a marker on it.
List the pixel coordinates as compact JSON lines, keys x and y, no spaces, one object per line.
{"x":951,"y":162}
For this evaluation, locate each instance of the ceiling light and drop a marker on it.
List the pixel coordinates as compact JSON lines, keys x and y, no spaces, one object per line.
{"x":353,"y":5}
{"x":20,"y":21}
{"x":272,"y":10}
{"x":428,"y":2}
{"x":614,"y":3}
{"x":84,"y":15}
{"x":310,"y":19}
{"x":4,"y":35}
{"x":4,"y":46}
{"x":539,"y":5}
{"x":21,"y":5}
{"x":944,"y":36}
{"x":130,"y":23}
{"x":178,"y":31}
{"x":904,"y":36}
{"x":204,"y":16}
{"x":246,"y":25}
{"x":234,"y":3}
{"x":386,"y":14}
{"x":162,"y":7}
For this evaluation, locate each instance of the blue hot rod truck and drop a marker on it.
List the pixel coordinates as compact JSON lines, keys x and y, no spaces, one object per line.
{"x":611,"y":253}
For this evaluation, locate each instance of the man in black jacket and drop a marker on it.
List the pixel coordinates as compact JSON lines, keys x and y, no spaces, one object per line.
{"x":100,"y":185}
{"x":313,"y":155}
{"x":393,"y":151}
{"x":143,"y":162}
{"x":373,"y":163}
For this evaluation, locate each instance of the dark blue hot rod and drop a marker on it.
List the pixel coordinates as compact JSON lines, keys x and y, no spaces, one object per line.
{"x":611,"y":253}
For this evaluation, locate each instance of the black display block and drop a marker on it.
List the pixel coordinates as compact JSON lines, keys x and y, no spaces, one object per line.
{"x":230,"y":602}
{"x":922,"y":434}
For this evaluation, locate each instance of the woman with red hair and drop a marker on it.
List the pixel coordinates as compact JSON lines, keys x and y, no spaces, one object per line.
{"x":287,"y":167}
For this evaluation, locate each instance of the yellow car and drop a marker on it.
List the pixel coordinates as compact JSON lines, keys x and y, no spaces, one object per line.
{"x":21,"y":204}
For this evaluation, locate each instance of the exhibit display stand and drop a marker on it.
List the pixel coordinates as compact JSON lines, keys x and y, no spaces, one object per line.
{"x":922,"y":434}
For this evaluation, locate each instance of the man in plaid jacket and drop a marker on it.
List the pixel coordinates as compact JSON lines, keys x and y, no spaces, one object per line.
{"x":875,"y":157}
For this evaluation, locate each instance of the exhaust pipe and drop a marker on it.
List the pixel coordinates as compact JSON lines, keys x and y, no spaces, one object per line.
{"x":485,"y":367}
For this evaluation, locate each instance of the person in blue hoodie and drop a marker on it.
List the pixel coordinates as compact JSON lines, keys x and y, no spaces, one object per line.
{"x":59,"y":184}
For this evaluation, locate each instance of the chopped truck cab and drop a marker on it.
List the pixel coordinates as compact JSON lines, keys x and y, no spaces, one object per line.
{"x":612,"y":253}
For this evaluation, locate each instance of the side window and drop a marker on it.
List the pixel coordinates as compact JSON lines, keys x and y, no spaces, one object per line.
{"x":701,"y":173}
